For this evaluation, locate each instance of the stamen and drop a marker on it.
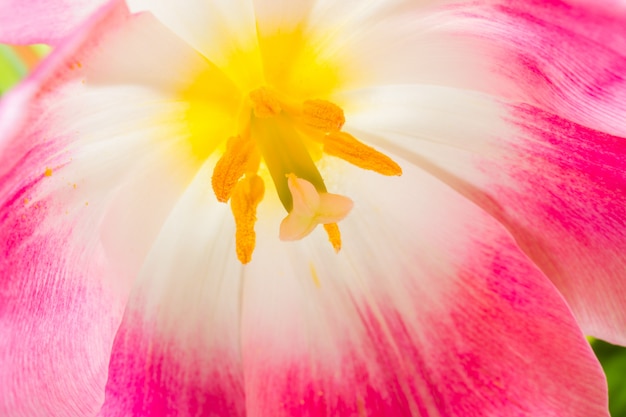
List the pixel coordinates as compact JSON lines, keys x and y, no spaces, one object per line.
{"x":240,"y":152}
{"x":264,"y":103}
{"x":348,"y":148}
{"x":246,"y":196}
{"x":323,"y":115}
{"x":334,"y":235}
{"x":311,"y":208}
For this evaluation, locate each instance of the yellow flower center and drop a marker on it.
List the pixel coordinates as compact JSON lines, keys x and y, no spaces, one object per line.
{"x":267,"y":108}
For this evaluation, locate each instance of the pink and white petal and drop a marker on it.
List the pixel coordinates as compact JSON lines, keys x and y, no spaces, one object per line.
{"x":177,"y":351}
{"x":557,"y":186}
{"x":430,"y":309}
{"x":568,"y":57}
{"x":87,"y":174}
{"x":43,"y":21}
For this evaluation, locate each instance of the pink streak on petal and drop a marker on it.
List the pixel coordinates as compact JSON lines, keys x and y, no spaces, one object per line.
{"x":43,"y":21}
{"x":565,"y":202}
{"x":160,"y":375}
{"x":568,"y":58}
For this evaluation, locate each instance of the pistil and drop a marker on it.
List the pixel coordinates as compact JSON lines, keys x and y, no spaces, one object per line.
{"x":311,"y":208}
{"x":282,"y":134}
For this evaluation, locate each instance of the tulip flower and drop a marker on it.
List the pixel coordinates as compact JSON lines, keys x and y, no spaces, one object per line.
{"x":312,"y":208}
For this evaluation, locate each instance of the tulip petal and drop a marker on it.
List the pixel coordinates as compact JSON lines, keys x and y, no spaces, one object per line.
{"x":429,"y":309}
{"x":87,"y":175}
{"x":556,"y":185}
{"x":217,"y":29}
{"x":43,"y":21}
{"x":177,"y":351}
{"x":560,"y":67}
{"x":568,"y":57}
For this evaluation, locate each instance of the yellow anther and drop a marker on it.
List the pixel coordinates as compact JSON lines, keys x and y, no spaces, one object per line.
{"x":246,"y":196}
{"x":264,"y":103}
{"x":240,"y":154}
{"x":323,"y":115}
{"x":348,"y":148}
{"x":48,"y":172}
{"x":334,"y":235}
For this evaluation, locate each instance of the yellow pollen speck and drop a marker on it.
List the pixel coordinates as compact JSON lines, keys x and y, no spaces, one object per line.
{"x":334,"y":235}
{"x":245,"y":198}
{"x":323,"y":115}
{"x":348,"y":148}
{"x":316,"y":278}
{"x":26,"y":200}
{"x":264,"y":103}
{"x":48,"y":172}
{"x":240,"y":151}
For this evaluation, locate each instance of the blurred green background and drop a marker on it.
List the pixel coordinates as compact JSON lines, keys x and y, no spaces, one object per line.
{"x":613,"y":360}
{"x":17,"y":61}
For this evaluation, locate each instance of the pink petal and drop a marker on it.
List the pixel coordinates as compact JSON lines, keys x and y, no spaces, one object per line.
{"x":556,"y":185}
{"x":59,"y":297}
{"x":43,"y":21}
{"x":562,"y":191}
{"x":429,"y":309}
{"x":566,"y":57}
{"x":553,"y":175}
{"x":85,"y":183}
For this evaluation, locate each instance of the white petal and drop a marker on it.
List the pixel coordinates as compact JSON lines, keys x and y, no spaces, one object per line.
{"x":216,"y":28}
